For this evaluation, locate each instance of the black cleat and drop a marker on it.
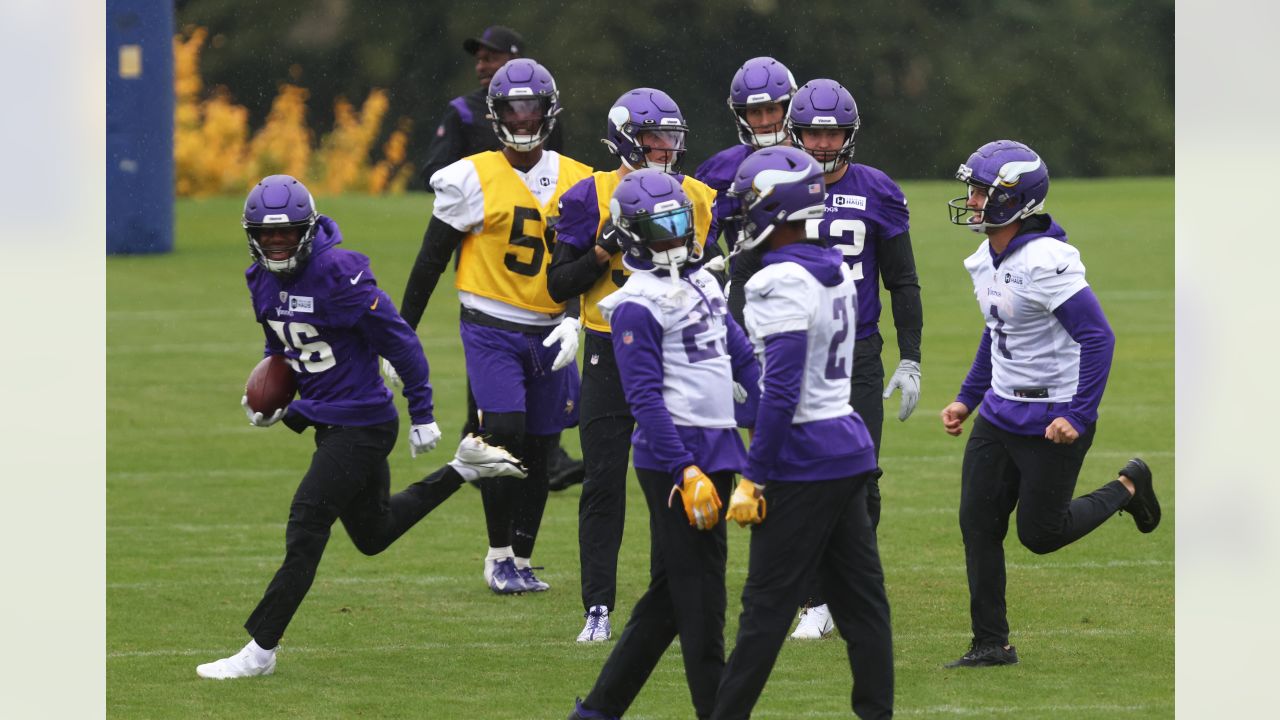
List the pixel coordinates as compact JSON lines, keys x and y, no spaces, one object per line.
{"x":1143,"y":506}
{"x":564,"y":471}
{"x":986,"y":655}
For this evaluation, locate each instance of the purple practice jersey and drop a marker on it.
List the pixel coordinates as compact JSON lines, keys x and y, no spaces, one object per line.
{"x":331,"y":321}
{"x":717,"y":173}
{"x":864,"y":208}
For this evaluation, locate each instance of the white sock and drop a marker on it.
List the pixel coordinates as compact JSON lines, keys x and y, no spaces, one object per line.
{"x":499,"y":553}
{"x":522,"y":563}
{"x":260,"y":655}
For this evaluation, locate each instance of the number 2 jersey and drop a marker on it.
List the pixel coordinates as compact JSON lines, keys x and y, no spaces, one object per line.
{"x":331,"y":321}
{"x":1046,"y":349}
{"x":801,"y":314}
{"x":504,"y":212}
{"x":678,"y":352}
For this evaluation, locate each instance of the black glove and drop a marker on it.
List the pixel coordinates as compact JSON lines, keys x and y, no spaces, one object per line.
{"x":609,"y":238}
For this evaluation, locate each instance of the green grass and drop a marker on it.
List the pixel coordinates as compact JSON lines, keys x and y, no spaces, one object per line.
{"x":197,"y":501}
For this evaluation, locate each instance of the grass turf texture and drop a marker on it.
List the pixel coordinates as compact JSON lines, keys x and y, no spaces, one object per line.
{"x":197,"y":501}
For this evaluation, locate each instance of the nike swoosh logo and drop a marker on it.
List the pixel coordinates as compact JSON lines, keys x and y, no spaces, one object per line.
{"x":767,"y":293}
{"x":501,"y":584}
{"x":374,"y":306}
{"x":356,"y":279}
{"x":1062,"y":269}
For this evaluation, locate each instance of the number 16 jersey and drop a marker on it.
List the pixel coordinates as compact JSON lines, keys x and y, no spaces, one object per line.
{"x":505,"y":214}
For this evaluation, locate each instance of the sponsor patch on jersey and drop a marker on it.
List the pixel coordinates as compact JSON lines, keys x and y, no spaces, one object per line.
{"x":628,"y":338}
{"x":1012,"y":279}
{"x":301,"y":303}
{"x":857,"y":202}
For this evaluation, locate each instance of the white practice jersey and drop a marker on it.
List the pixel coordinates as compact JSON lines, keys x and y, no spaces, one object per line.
{"x":697,"y":374}
{"x":1033,"y":358}
{"x":784,"y":297}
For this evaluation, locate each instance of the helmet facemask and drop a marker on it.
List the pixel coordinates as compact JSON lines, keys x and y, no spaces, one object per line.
{"x":832,"y":159}
{"x":522,"y":123}
{"x":667,"y":142}
{"x":753,"y":135}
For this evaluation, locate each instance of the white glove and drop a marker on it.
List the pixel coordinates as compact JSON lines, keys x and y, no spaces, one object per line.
{"x":257,"y":419}
{"x":739,"y":393}
{"x":906,"y":377}
{"x":715,"y":264}
{"x":566,"y":333}
{"x":389,"y":372}
{"x":423,"y":438}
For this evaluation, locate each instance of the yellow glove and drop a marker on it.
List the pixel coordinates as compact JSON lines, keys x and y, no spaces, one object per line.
{"x":701,"y":501}
{"x":747,"y":505}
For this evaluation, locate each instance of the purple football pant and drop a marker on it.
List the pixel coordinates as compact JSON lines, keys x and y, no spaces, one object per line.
{"x":510,"y":371}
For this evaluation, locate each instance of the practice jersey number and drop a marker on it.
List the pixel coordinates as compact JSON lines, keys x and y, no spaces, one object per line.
{"x":844,"y":234}
{"x":539,"y":246}
{"x":314,"y":355}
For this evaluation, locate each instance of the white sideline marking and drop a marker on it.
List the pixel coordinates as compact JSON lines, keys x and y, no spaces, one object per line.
{"x":260,"y":581}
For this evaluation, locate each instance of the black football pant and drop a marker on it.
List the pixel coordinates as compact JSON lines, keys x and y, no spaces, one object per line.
{"x":349,"y":480}
{"x":605,"y":425}
{"x":822,"y":528}
{"x":685,"y":599}
{"x":866,"y":395}
{"x":1002,"y":470}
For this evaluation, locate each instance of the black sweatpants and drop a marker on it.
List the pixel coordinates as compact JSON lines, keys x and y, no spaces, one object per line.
{"x":810,"y":527}
{"x":349,"y":480}
{"x":866,"y":395}
{"x":685,"y":598}
{"x":1002,"y":470}
{"x":605,"y":426}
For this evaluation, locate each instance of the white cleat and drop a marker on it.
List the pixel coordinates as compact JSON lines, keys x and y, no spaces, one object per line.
{"x":597,"y":628}
{"x":815,"y":624}
{"x":477,"y":459}
{"x":246,"y":663}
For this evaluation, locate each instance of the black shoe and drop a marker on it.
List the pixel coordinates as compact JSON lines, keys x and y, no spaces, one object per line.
{"x":986,"y":655}
{"x":564,"y":471}
{"x":1143,"y":506}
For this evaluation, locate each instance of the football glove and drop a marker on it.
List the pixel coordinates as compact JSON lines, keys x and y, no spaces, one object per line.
{"x":566,"y":333}
{"x":389,"y":372}
{"x":746,"y":505}
{"x":423,"y":438}
{"x":701,"y":501}
{"x":257,"y":419}
{"x":609,"y":238}
{"x":907,"y":378}
{"x":715,"y":264}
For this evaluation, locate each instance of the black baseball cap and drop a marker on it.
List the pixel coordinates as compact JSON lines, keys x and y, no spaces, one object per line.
{"x":497,"y":38}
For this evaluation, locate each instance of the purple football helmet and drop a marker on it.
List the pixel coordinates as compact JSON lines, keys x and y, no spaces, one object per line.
{"x":821,"y":105}
{"x":649,"y":207}
{"x":522,"y":92}
{"x":1016,"y":181}
{"x":653,"y":114}
{"x":279,"y":201}
{"x":773,"y":186}
{"x":760,"y":80}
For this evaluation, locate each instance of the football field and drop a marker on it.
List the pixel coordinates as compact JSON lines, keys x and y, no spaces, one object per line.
{"x":197,"y":502}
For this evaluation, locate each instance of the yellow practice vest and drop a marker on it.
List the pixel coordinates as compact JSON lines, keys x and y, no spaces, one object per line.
{"x":606,"y":183}
{"x":507,"y":258}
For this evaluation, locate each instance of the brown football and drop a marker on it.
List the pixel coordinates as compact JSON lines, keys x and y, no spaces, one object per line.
{"x":271,"y":385}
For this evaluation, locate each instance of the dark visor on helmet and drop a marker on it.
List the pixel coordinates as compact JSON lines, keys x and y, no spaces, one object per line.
{"x":674,"y":224}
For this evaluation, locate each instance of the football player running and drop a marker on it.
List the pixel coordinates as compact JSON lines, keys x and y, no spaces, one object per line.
{"x":812,"y":458}
{"x":320,"y":307}
{"x":758,"y":97}
{"x":679,"y":354}
{"x":866,"y":219}
{"x":1041,"y":367}
{"x":520,"y":344}
{"x":645,"y":129}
